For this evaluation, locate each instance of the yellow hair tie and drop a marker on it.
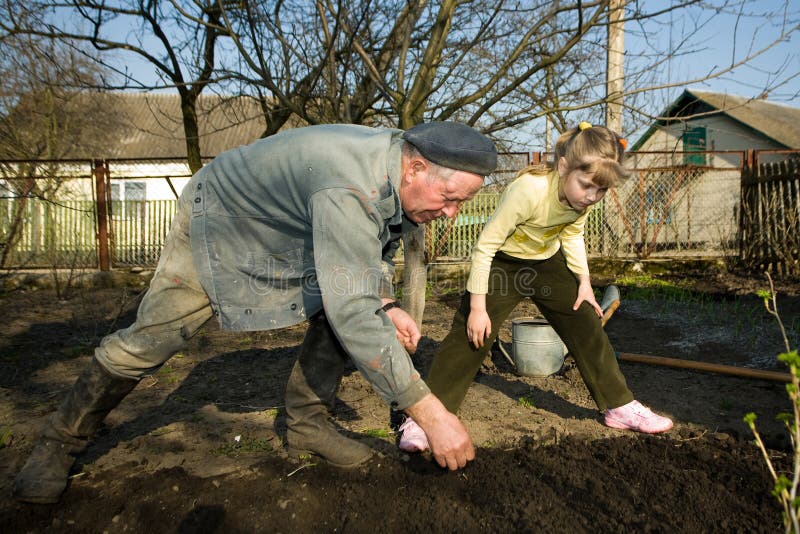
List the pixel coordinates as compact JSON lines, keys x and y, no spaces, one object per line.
{"x":584,"y":125}
{"x":624,"y":143}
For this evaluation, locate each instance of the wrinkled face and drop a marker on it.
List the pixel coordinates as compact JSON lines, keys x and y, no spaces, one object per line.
{"x":425,"y":199}
{"x":578,"y":190}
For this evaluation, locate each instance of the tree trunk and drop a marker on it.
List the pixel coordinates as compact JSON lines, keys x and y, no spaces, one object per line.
{"x":415,"y":275}
{"x":191,"y":130}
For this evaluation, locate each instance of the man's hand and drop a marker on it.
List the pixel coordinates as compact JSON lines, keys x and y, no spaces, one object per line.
{"x":448,"y":438}
{"x":406,"y":328}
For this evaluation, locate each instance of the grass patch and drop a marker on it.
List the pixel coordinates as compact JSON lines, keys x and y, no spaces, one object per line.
{"x":246,"y":446}
{"x":645,"y":287}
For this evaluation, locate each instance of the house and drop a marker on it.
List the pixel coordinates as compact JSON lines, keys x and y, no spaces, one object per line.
{"x":700,"y":121}
{"x":140,"y":138}
{"x":146,"y":143}
{"x":684,"y":194}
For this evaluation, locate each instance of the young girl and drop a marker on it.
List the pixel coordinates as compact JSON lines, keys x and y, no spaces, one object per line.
{"x":533,"y":247}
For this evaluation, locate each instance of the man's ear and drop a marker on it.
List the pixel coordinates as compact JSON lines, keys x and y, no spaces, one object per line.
{"x":416,"y":167}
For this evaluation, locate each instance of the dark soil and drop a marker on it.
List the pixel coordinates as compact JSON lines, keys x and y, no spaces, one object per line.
{"x":199,"y":446}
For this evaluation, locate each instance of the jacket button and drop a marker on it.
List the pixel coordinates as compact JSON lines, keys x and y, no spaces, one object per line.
{"x":293,"y":307}
{"x":248,"y":311}
{"x":197,"y":200}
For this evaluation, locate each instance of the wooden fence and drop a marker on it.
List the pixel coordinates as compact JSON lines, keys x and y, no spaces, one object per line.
{"x":770,"y":214}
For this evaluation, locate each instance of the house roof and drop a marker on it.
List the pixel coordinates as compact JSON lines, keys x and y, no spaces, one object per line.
{"x":778,"y":122}
{"x":146,"y":125}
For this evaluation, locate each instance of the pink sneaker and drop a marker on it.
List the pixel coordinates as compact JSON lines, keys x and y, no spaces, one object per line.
{"x":635,"y":416}
{"x":412,"y":437}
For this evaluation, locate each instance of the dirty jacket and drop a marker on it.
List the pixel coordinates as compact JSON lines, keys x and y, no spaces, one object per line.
{"x":305,"y":220}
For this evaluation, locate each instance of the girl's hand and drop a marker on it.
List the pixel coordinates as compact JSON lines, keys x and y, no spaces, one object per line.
{"x":479,"y":327}
{"x":585,"y":293}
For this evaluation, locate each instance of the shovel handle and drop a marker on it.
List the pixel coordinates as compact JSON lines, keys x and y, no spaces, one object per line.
{"x":609,"y":312}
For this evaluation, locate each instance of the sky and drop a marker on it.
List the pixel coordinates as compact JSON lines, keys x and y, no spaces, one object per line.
{"x":723,"y":38}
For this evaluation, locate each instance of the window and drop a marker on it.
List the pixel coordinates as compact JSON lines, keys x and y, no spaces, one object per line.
{"x":694,"y":140}
{"x":135,"y":191}
{"x":128,"y":199}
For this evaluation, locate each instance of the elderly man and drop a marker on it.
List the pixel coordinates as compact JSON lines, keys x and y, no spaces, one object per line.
{"x":299,"y":226}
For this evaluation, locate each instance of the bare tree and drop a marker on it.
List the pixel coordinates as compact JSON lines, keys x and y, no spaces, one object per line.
{"x":179,"y":39}
{"x":494,"y":64}
{"x":43,"y":119}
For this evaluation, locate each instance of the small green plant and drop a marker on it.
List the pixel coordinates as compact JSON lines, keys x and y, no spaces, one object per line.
{"x":525,"y":402}
{"x":785,"y":489}
{"x":169,"y":373}
{"x":5,"y":437}
{"x":376,"y":432}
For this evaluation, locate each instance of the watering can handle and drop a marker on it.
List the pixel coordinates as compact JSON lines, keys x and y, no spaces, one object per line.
{"x":504,"y":352}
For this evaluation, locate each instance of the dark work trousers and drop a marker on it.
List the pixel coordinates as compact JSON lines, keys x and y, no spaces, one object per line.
{"x":554,"y":289}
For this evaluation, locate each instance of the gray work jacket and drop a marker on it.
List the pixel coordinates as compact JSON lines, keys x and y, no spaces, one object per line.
{"x":305,"y":220}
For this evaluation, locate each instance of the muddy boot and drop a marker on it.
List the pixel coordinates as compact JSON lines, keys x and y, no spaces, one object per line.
{"x":310,"y":394}
{"x":96,"y":392}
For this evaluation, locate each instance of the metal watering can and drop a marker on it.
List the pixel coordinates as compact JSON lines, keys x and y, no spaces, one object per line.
{"x":537,"y":350}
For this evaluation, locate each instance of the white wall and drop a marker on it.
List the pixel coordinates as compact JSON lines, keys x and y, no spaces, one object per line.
{"x":722,"y":133}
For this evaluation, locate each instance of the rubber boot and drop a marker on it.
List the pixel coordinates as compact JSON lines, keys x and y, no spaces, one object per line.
{"x":310,"y":395}
{"x":44,"y":476}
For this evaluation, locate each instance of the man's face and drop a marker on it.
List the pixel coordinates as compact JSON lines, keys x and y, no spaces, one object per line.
{"x":425,"y":199}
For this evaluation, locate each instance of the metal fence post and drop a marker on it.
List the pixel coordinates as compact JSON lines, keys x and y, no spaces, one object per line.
{"x":102,"y":215}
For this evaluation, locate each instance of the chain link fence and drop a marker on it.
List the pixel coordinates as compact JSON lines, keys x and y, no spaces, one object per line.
{"x":667,"y":208}
{"x":671,"y":206}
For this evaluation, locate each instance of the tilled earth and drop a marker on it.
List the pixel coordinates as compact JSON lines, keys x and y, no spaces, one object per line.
{"x":199,"y":446}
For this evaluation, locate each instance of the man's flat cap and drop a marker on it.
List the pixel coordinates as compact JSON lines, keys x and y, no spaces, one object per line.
{"x":454,"y":145}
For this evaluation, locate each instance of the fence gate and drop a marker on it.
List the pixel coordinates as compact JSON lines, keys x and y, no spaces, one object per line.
{"x":770,"y":214}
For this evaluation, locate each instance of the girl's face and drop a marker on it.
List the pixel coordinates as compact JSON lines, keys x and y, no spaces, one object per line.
{"x":578,"y":190}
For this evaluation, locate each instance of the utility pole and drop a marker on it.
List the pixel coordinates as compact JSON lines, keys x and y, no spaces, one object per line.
{"x":614,"y":65}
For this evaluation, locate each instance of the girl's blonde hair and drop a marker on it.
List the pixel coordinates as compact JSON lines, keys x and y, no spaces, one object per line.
{"x":595,"y":150}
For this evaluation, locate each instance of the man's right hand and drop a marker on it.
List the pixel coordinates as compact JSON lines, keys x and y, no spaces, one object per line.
{"x":447,"y":436}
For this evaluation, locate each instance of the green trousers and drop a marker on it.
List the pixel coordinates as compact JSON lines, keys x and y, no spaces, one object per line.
{"x":554,"y":289}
